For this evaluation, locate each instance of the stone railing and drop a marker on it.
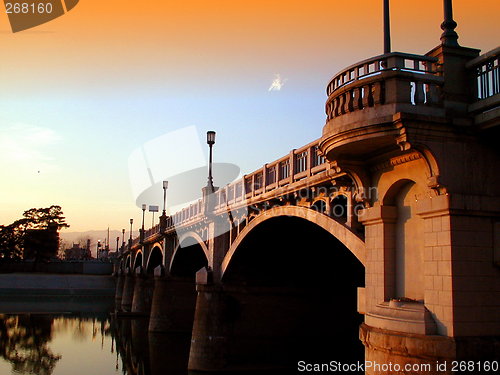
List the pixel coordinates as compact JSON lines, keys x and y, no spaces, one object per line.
{"x":297,"y":165}
{"x":486,"y":72}
{"x":136,"y":241}
{"x":385,"y":79}
{"x":152,"y":231}
{"x":187,"y":213}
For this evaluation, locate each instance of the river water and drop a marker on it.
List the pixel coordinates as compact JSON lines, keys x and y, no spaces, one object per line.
{"x":88,"y":343}
{"x":81,"y":336}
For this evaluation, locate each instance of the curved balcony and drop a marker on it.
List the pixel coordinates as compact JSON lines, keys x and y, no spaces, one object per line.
{"x":363,"y":99}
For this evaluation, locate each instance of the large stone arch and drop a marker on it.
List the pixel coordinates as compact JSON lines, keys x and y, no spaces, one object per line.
{"x":193,"y":239}
{"x":339,"y":231}
{"x":152,"y":255}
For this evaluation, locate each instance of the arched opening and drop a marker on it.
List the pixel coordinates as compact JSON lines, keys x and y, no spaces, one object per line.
{"x":128,"y":262}
{"x":188,"y":259}
{"x":408,"y":241}
{"x":319,"y":206}
{"x":293,"y":287}
{"x":339,"y":208}
{"x":155,"y":259}
{"x":138,"y":260}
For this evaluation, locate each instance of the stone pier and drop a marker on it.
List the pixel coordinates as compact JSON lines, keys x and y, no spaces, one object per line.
{"x":128,"y":291}
{"x":143,"y":293}
{"x":173,"y":306}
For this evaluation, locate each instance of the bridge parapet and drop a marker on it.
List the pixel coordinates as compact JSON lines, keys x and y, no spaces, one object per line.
{"x":485,"y":69}
{"x":297,"y":165}
{"x":393,"y":78}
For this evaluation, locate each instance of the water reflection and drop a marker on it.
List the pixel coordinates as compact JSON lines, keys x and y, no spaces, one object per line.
{"x":150,"y":354}
{"x":88,"y":343}
{"x":54,"y":344}
{"x":24,"y":343}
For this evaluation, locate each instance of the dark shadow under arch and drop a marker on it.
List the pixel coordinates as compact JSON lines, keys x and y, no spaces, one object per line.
{"x":138,"y":260}
{"x":300,"y":286}
{"x":188,"y":258}
{"x":155,"y":259}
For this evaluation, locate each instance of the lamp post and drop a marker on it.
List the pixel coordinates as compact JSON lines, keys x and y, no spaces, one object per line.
{"x":449,"y":36}
{"x":131,"y":222}
{"x":143,"y":212}
{"x":117,"y":241}
{"x":165,"y":187}
{"x":123,"y":240}
{"x":210,"y":142}
{"x":387,"y":28}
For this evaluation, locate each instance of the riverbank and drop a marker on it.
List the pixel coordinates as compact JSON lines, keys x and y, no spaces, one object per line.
{"x":25,"y":292}
{"x":83,"y":267}
{"x":40,"y":284}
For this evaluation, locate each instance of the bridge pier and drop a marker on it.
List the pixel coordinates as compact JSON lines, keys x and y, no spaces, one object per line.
{"x":143,"y":293}
{"x":128,"y":291}
{"x":168,"y":352}
{"x":119,"y":290}
{"x":172,"y":309}
{"x":239,"y":327}
{"x":209,"y":341}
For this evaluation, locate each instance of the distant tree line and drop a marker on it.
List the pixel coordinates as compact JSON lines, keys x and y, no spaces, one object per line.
{"x":34,"y":236}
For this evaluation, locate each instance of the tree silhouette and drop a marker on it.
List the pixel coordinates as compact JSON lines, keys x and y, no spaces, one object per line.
{"x":11,"y":243}
{"x":35,"y":236}
{"x":43,"y":218}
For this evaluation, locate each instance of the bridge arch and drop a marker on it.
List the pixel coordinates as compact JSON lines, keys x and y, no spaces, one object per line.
{"x":138,"y":259}
{"x":190,"y":254}
{"x":339,"y":231}
{"x":128,"y":262}
{"x":155,"y":258}
{"x":292,"y":276}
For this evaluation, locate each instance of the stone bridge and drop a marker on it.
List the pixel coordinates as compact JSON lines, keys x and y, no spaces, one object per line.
{"x":380,"y":240}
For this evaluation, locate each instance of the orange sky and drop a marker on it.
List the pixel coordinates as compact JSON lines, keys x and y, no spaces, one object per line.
{"x":129,"y":34}
{"x":112,"y":74}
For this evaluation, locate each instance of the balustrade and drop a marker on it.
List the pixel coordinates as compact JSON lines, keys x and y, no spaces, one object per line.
{"x":389,"y":78}
{"x":487,"y":74}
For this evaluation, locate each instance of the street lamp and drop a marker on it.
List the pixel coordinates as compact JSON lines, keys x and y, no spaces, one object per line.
{"x":117,"y":240}
{"x":165,"y":187}
{"x":143,"y":211}
{"x":123,"y":240}
{"x":210,"y":142}
{"x":131,"y":222}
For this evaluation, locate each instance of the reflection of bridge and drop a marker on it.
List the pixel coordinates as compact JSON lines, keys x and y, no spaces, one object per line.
{"x":392,"y":213}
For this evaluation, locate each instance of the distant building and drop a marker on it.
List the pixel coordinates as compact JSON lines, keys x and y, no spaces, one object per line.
{"x":77,"y":252}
